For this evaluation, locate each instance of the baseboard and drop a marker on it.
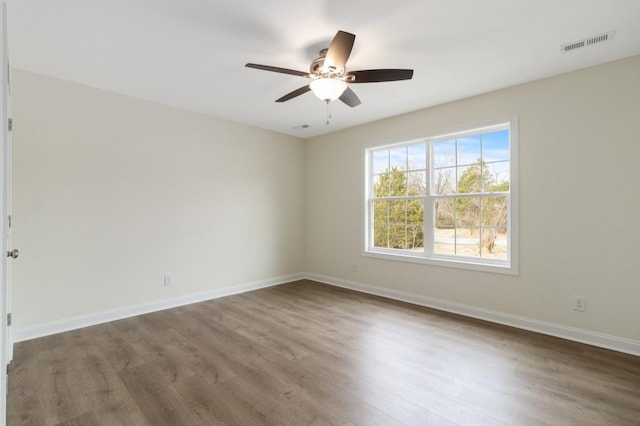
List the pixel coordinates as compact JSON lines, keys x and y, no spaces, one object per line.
{"x":615,"y":343}
{"x":32,"y":332}
{"x":557,"y":330}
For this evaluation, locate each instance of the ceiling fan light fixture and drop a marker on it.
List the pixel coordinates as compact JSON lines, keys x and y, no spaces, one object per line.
{"x":328,"y":89}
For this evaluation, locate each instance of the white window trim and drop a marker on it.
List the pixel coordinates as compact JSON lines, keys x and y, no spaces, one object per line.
{"x":426,"y":258}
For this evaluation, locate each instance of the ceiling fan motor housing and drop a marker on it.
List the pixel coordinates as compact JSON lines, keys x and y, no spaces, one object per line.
{"x":317,"y":67}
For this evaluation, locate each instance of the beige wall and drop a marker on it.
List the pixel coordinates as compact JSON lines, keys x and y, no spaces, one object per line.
{"x":579,"y":174}
{"x":111,"y":192}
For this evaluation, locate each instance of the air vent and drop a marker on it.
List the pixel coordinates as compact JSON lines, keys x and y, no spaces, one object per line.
{"x":578,"y":44}
{"x":572,"y":46}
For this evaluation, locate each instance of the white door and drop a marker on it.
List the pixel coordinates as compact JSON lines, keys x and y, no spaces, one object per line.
{"x":6,"y":351}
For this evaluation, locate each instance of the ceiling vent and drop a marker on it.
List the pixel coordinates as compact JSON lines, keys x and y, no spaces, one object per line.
{"x":578,"y":44}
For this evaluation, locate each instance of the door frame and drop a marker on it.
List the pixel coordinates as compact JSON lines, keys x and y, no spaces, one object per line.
{"x":6,"y":349}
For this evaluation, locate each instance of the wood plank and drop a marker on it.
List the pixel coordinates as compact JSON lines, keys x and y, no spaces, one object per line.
{"x":308,"y":353}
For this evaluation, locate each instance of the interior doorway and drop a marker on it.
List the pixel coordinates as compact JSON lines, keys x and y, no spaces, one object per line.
{"x":6,"y":349}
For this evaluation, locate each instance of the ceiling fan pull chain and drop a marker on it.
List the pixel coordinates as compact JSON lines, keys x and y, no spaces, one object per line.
{"x":328,"y":112}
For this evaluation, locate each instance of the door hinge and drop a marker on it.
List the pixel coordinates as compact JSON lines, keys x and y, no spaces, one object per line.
{"x":9,"y":319}
{"x":10,"y":124}
{"x":9,"y":221}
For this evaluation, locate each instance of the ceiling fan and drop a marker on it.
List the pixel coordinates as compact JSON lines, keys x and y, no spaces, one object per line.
{"x":330,"y":76}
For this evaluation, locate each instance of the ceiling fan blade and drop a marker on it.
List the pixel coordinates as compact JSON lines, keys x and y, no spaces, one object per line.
{"x":294,"y":94}
{"x":350,"y":98}
{"x":278,"y":69}
{"x":339,"y":50}
{"x":376,"y":76}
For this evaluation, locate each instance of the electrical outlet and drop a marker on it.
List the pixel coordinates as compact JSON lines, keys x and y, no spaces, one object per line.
{"x":579,"y":303}
{"x":354,"y":267}
{"x":168,"y":279}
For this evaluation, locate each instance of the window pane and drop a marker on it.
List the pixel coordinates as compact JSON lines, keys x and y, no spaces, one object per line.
{"x":495,"y":146}
{"x":494,"y":228}
{"x":380,"y":161}
{"x":444,"y":181}
{"x":468,"y":246}
{"x":468,"y":214}
{"x":397,"y":212}
{"x":499,"y":176}
{"x":495,"y":212}
{"x":381,"y":185}
{"x":417,"y":183}
{"x":444,"y":214}
{"x":444,"y":153}
{"x":415,"y":224}
{"x":445,"y":242}
{"x":468,"y":150}
{"x":470,"y":179}
{"x":494,"y":243}
{"x":380,"y":213}
{"x":397,"y":183}
{"x":468,"y":226}
{"x":417,"y":155}
{"x":380,"y":223}
{"x":380,"y":236}
{"x":445,"y":230}
{"x":397,"y":237}
{"x":398,"y":158}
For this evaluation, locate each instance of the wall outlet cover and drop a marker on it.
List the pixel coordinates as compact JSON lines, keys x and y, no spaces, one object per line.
{"x":168,"y":279}
{"x":579,"y":303}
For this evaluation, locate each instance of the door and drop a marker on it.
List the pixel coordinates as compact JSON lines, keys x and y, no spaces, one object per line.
{"x":6,"y":350}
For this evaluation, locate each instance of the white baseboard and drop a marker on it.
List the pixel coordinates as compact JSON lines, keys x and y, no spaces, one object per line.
{"x":615,"y":343}
{"x":32,"y":332}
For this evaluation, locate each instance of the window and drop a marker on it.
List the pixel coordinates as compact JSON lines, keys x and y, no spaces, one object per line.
{"x":445,"y":200}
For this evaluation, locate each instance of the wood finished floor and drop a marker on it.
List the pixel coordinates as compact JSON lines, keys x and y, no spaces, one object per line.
{"x":309,"y":354}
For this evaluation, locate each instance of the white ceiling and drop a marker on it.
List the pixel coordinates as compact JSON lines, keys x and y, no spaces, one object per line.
{"x":191,"y":53}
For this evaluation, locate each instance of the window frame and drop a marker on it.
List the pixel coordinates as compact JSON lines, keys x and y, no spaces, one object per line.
{"x":427,"y":256}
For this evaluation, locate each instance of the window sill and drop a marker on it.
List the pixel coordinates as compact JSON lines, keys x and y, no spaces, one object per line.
{"x":460,"y":263}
